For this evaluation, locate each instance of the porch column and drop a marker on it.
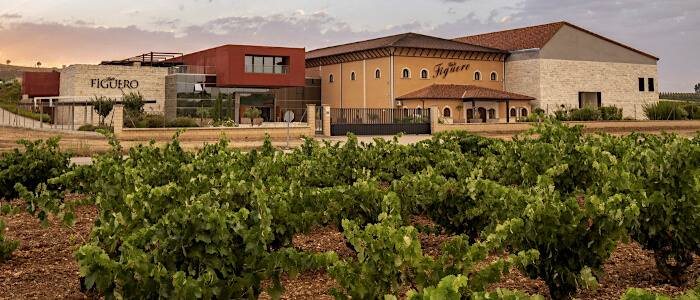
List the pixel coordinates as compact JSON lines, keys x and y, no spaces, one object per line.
{"x":434,"y":118}
{"x":507,"y":111}
{"x":326,"y":120}
{"x":237,"y":108}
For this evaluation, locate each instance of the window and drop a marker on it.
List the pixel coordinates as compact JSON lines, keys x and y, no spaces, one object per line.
{"x":405,"y":111}
{"x":651,"y":84}
{"x":492,"y":113}
{"x":330,"y":78}
{"x":446,"y":112}
{"x":477,"y":75}
{"x":266,"y":64}
{"x":524,"y":112}
{"x":424,"y":74}
{"x":494,"y":76}
{"x":470,"y":113}
{"x":377,"y":73}
{"x":641,"y":84}
{"x":406,"y":73}
{"x":513,"y":113}
{"x":352,"y":75}
{"x":419,"y":111}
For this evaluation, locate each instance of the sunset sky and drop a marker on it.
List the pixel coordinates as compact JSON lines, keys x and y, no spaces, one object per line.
{"x":64,"y":32}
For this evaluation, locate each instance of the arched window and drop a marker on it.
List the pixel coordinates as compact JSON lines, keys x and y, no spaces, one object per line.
{"x":424,"y":74}
{"x":406,"y":73}
{"x":513,"y":113}
{"x":377,"y":73}
{"x":492,"y":113}
{"x":352,"y":75}
{"x":470,"y":113}
{"x":477,"y":75}
{"x":405,"y":111}
{"x":524,"y":112}
{"x":494,"y":76}
{"x":419,"y":111}
{"x":330,"y":78}
{"x":446,"y":112}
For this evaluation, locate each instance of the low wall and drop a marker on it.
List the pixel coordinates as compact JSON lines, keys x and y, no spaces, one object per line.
{"x":244,"y":132}
{"x":606,"y":126}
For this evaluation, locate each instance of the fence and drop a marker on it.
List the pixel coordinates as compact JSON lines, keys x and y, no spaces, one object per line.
{"x":379,"y":121}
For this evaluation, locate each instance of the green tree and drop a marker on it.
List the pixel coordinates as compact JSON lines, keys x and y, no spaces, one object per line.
{"x":216,"y":113}
{"x":229,"y":107}
{"x":133,"y":103}
{"x":102,"y":106}
{"x":697,"y":88}
{"x":252,"y":113}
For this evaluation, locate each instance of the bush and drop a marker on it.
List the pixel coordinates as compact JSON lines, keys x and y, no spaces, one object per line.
{"x":133,"y":103}
{"x":7,"y":246}
{"x":664,"y":110}
{"x":611,"y":113}
{"x":25,"y":113}
{"x":693,"y":111}
{"x":152,"y":121}
{"x":252,"y":113}
{"x":90,"y":127}
{"x":587,"y":113}
{"x":183,"y":122}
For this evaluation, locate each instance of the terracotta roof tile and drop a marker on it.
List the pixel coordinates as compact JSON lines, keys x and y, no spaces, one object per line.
{"x":407,"y":40}
{"x":529,"y":37}
{"x":459,"y":91}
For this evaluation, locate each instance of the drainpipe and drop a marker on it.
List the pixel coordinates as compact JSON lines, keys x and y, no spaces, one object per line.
{"x":391,"y":71}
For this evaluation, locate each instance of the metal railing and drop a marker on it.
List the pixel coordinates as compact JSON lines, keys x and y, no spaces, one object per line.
{"x":192,"y":69}
{"x":379,"y":115}
{"x":267,"y":69}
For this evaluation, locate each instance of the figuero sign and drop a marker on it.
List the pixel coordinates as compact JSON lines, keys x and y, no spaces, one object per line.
{"x":452,"y":67}
{"x":113,"y":83}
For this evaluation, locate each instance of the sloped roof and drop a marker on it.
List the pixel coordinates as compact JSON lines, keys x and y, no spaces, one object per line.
{"x":460,"y":91}
{"x":407,"y":40}
{"x":530,"y":37}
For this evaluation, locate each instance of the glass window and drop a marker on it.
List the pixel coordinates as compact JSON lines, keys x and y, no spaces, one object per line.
{"x":494,"y":76}
{"x":492,"y":113}
{"x":477,"y":75}
{"x":513,"y":113}
{"x":330,"y":78}
{"x":377,"y":74}
{"x":651,"y":84}
{"x":405,"y":73}
{"x":258,"y":64}
{"x":248,"y":63}
{"x":446,"y":112}
{"x":352,"y":76}
{"x":641,"y":84}
{"x":524,"y":112}
{"x":419,"y":111}
{"x":424,"y":74}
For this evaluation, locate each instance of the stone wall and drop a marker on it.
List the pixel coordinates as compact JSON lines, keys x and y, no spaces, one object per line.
{"x":83,"y":81}
{"x":523,"y":77}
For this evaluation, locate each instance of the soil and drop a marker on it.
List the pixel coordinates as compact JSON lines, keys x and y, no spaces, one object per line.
{"x":42,"y":267}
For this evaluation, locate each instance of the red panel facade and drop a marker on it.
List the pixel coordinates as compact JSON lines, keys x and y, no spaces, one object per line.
{"x":41,"y":84}
{"x":229,"y":61}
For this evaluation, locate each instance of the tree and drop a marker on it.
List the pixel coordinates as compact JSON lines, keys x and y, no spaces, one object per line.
{"x":8,"y":62}
{"x":229,"y":107}
{"x":218,"y":105}
{"x":133,"y":103}
{"x":252,"y":113}
{"x":102,"y":106}
{"x":38,"y":64}
{"x":697,"y":88}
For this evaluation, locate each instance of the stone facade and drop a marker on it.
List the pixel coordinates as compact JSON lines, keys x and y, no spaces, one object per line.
{"x":84,"y":81}
{"x":558,"y":82}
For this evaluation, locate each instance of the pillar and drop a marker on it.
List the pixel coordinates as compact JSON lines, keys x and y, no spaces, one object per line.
{"x":326,"y":120}
{"x":311,"y":118}
{"x":118,"y":124}
{"x":434,"y":118}
{"x":237,"y":108}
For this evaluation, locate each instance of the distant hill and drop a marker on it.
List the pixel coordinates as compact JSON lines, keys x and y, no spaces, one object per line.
{"x":10,"y":71}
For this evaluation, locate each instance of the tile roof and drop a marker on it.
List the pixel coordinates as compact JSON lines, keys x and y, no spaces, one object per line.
{"x":459,"y":91}
{"x":530,"y":37}
{"x":407,"y":40}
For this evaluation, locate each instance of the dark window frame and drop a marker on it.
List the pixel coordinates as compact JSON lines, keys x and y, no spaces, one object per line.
{"x":651,"y":84}
{"x":641,"y":84}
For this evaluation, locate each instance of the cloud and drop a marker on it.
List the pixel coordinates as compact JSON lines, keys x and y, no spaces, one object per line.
{"x":11,"y":16}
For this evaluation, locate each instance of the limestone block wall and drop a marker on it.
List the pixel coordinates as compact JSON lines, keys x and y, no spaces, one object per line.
{"x":523,"y":77}
{"x":562,"y":80}
{"x":83,"y":81}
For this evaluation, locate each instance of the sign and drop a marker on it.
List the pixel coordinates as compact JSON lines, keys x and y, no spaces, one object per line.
{"x":452,"y":67}
{"x":113,"y":83}
{"x":289,"y":116}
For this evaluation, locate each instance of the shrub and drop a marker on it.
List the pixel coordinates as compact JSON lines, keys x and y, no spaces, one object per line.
{"x":587,"y":113}
{"x":217,"y":109}
{"x":7,"y":246}
{"x":90,"y":127}
{"x":133,"y":103}
{"x":252,"y":113}
{"x":183,"y":122}
{"x":561,"y":114}
{"x":103,"y":106}
{"x":693,"y":111}
{"x":664,"y":110}
{"x":611,"y":113}
{"x":152,"y":121}
{"x":538,"y":111}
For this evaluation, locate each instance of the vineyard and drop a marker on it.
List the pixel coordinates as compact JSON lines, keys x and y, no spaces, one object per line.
{"x":552,"y":203}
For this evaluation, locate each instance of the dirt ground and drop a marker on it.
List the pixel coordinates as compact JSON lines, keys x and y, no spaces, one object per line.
{"x":43,"y":268}
{"x":90,"y":143}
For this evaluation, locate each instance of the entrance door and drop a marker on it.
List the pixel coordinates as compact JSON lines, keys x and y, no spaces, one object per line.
{"x":482,"y":114}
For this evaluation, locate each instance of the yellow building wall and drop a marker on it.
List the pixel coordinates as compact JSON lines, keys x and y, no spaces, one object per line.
{"x":330,"y":91}
{"x":353,"y":92}
{"x":378,"y":89}
{"x":404,"y":86}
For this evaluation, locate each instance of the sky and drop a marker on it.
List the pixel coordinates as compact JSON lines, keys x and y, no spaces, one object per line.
{"x":65,"y":32}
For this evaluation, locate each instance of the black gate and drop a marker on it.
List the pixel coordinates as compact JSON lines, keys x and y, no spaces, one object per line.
{"x":379,"y":121}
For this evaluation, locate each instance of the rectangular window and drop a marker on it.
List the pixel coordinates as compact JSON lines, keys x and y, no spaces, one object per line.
{"x":266,"y":64}
{"x":651,"y":84}
{"x":641,"y":84}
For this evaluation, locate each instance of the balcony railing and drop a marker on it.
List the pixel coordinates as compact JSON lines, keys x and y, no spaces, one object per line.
{"x":191,"y":69}
{"x":275,"y":69}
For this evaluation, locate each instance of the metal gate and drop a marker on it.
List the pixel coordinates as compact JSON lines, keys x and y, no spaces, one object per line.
{"x":319,"y":119}
{"x":379,"y":121}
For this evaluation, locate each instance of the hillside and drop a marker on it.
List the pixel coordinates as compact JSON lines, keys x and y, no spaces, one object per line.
{"x":10,"y":71}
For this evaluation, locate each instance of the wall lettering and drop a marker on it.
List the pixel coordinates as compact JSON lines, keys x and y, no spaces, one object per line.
{"x":113,"y":83}
{"x":452,"y":67}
